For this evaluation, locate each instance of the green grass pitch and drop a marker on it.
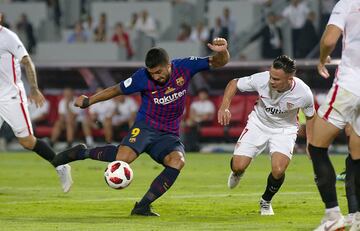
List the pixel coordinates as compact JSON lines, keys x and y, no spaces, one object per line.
{"x":31,"y":199}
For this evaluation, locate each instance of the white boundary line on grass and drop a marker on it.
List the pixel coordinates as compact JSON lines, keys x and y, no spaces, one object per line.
{"x":185,"y":196}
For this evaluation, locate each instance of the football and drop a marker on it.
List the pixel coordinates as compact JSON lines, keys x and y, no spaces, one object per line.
{"x":118,"y":174}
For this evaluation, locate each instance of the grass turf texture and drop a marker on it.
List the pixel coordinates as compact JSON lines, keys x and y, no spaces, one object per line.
{"x":31,"y":198}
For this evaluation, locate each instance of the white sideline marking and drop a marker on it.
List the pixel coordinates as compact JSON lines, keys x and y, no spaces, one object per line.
{"x":185,"y":196}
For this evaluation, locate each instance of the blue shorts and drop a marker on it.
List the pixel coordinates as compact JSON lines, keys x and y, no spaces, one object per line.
{"x":158,"y":144}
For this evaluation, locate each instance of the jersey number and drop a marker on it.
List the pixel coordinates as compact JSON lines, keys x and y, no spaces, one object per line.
{"x":135,"y":132}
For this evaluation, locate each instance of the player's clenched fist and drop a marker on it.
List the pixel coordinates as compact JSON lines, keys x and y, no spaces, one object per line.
{"x":218,"y":45}
{"x":82,"y":101}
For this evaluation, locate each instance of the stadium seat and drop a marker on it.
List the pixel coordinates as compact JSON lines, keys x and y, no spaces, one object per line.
{"x":45,"y":129}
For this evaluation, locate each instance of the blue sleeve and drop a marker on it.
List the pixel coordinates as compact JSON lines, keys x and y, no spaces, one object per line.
{"x":195,"y":64}
{"x":135,"y":83}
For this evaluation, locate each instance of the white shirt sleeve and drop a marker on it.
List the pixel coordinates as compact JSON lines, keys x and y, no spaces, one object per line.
{"x":16,"y":47}
{"x":246,"y":84}
{"x":253,"y":82}
{"x":211,"y":107}
{"x":309,"y":108}
{"x":133,"y":105}
{"x":110,"y":108}
{"x":73,"y":108}
{"x":93,"y":109}
{"x":286,"y":12}
{"x":62,"y":108}
{"x":339,"y":14}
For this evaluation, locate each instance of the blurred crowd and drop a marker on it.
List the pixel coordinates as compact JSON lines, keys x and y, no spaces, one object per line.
{"x":306,"y":26}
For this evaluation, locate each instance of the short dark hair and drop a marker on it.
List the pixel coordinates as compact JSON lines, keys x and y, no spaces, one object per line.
{"x":156,"y":56}
{"x":285,"y":63}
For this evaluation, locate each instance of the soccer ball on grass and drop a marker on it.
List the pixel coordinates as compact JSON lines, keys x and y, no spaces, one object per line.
{"x":118,"y":174}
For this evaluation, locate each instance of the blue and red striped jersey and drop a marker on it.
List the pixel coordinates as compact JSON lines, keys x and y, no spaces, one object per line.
{"x":163,"y":105}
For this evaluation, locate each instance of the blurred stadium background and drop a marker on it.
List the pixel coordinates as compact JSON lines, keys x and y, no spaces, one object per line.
{"x":87,"y":44}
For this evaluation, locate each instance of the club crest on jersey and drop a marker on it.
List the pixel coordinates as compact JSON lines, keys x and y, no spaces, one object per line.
{"x":289,"y":105}
{"x":132,"y":140}
{"x":169,"y":90}
{"x":180,"y":81}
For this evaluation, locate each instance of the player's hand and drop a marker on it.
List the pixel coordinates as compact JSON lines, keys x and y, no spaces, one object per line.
{"x":224,"y":116}
{"x":322,"y":70}
{"x":218,"y":45}
{"x":82,"y":101}
{"x":36,"y":97}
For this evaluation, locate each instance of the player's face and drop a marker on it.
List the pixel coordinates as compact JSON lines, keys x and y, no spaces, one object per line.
{"x":279,"y":80}
{"x":161,"y":73}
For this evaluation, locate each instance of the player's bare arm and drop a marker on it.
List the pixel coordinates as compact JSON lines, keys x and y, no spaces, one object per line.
{"x":327,"y":45}
{"x":83,"y":101}
{"x":224,"y":114}
{"x":35,"y":94}
{"x":221,"y":56}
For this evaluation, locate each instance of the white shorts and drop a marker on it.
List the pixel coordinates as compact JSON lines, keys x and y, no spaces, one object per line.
{"x":254,"y":140}
{"x":16,"y":114}
{"x":341,"y":107}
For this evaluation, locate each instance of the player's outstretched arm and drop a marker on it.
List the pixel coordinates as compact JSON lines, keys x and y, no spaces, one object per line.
{"x":221,"y":56}
{"x":224,"y":114}
{"x":327,"y":44}
{"x":35,"y":94}
{"x":83,"y":101}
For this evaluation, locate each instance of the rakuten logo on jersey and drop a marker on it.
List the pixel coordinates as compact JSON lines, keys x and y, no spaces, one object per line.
{"x":170,"y":98}
{"x":273,"y":110}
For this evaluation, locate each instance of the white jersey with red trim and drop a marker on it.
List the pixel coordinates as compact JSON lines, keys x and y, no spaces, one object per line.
{"x":277,"y":109}
{"x":11,"y":52}
{"x":346,"y":16}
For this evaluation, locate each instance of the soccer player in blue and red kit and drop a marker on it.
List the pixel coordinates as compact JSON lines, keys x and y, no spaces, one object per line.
{"x":163,"y":86}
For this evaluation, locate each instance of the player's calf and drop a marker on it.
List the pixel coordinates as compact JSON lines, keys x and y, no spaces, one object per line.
{"x":272,"y":187}
{"x":160,"y":185}
{"x":38,"y":146}
{"x":325,"y":177}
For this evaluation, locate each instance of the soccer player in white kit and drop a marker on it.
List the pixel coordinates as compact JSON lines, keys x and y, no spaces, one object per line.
{"x":272,"y":123}
{"x":13,"y":101}
{"x":342,"y":107}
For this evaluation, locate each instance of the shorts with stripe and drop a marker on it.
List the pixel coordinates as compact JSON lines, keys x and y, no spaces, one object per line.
{"x":254,"y":139}
{"x":16,"y":114}
{"x":341,"y":107}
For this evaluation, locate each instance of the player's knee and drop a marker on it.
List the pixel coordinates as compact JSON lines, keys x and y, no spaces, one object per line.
{"x":278,"y":172}
{"x":238,"y":166}
{"x":238,"y":169}
{"x":175,"y":160}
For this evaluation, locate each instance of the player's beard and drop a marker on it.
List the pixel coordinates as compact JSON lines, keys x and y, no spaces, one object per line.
{"x":166,"y":79}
